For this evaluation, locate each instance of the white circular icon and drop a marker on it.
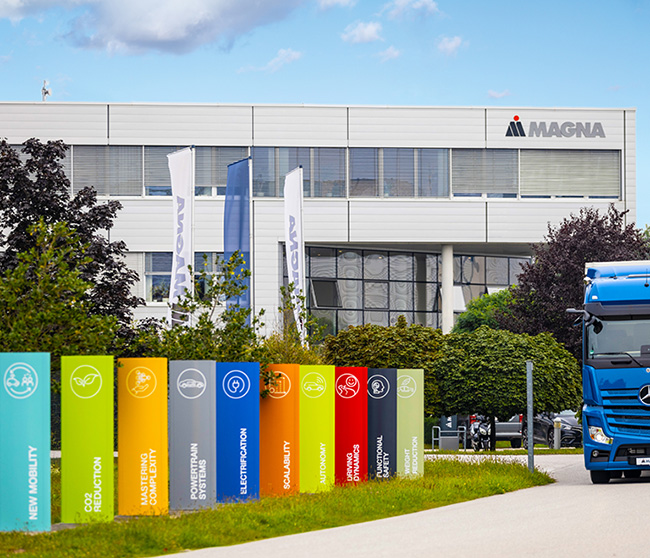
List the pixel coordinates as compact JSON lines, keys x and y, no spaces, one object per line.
{"x":236,"y":384}
{"x":347,"y":386}
{"x":20,"y":380}
{"x":378,"y":386}
{"x":191,"y":383}
{"x":281,"y":386}
{"x":85,"y":381}
{"x":313,"y":385}
{"x":141,"y":382}
{"x":406,"y":387}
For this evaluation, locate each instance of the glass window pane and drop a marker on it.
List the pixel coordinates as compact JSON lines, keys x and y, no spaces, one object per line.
{"x":114,"y":170}
{"x":351,"y":293}
{"x":377,"y":318}
{"x":325,"y":294}
{"x":350,"y":263}
{"x":515,"y":269}
{"x":211,"y":168}
{"x":473,"y":269}
{"x":322,"y":262}
{"x":472,"y":292}
{"x":290,"y":158}
{"x":401,"y":266}
{"x":264,"y":183}
{"x":484,"y":171}
{"x":426,"y":297}
{"x":348,"y":318}
{"x":326,"y":319}
{"x":375,"y":265}
{"x":458,"y":266}
{"x":394,"y":316}
{"x":158,"y":261}
{"x":157,"y":181}
{"x":375,"y":295}
{"x":496,"y":271}
{"x":158,"y":288}
{"x":364,"y":172}
{"x":433,"y":173}
{"x":399,"y":172}
{"x":428,"y":319}
{"x":401,"y":295}
{"x":329,"y":172}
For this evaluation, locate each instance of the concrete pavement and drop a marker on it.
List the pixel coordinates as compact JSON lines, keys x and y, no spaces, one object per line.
{"x":571,"y":518}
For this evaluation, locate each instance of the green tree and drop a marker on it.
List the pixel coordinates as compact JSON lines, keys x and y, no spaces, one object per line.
{"x":481,"y":311}
{"x":484,"y":372}
{"x":553,"y":281}
{"x":398,"y":346}
{"x":43,"y":302}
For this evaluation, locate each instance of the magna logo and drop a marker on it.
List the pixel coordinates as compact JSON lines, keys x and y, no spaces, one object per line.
{"x":555,"y":129}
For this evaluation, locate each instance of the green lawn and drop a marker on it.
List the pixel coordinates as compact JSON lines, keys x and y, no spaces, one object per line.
{"x":444,"y":482}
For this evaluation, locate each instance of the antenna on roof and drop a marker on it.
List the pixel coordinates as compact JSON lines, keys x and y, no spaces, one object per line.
{"x":45,"y":91}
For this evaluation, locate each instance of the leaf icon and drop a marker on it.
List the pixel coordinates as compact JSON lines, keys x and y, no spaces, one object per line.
{"x":89,"y":379}
{"x":79,"y":381}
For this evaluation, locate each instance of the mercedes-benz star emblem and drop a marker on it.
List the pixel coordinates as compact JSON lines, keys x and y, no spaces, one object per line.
{"x":644,"y":395}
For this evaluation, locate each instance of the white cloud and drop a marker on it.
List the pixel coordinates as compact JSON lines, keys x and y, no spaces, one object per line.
{"x":449,"y":45}
{"x":398,"y":8}
{"x":331,"y":3}
{"x":362,"y":32}
{"x":498,"y":94}
{"x":164,"y":25}
{"x":285,"y":56}
{"x":389,"y":54}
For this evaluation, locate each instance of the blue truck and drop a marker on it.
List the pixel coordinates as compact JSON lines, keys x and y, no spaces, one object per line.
{"x":616,"y":369}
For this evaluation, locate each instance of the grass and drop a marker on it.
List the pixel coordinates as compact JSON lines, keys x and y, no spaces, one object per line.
{"x":444,"y":482}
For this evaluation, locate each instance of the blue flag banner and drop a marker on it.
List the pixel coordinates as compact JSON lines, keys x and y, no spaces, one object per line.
{"x":25,"y":442}
{"x":238,"y":431}
{"x":236,"y":222}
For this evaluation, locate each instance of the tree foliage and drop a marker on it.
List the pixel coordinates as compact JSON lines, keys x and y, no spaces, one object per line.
{"x":43,"y":303}
{"x":34,"y":187}
{"x":484,"y":372}
{"x":553,"y":281}
{"x":482,"y":310}
{"x":399,"y":346}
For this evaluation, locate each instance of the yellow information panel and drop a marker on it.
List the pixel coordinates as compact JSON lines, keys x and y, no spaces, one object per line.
{"x":142,"y":470}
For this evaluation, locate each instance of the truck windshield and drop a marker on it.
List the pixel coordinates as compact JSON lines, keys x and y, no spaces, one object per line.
{"x":618,"y":336}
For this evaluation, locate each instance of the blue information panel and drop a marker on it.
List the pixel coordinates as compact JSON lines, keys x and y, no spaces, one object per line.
{"x":238,"y":431}
{"x":25,"y":442}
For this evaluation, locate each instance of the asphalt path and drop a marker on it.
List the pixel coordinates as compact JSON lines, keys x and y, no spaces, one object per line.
{"x":571,"y":517}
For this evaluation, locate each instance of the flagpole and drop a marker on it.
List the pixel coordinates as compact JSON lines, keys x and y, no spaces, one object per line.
{"x":251,"y":236}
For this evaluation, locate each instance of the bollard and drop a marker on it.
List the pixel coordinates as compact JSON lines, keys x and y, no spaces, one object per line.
{"x":557,"y":433}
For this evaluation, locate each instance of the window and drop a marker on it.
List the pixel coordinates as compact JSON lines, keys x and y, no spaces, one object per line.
{"x":157,"y":181}
{"x":290,"y":158}
{"x":211,"y":168}
{"x":364,"y":172}
{"x":433,"y":173}
{"x":328,"y":172}
{"x":264,"y":175}
{"x":399,"y":172}
{"x":493,"y":172}
{"x":113,"y":170}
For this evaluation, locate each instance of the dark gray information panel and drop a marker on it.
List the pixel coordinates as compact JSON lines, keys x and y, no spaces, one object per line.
{"x":192,"y":434}
{"x":382,"y":422}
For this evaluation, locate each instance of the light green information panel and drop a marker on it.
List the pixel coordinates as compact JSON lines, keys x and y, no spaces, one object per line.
{"x":410,"y":423}
{"x":316,"y":428}
{"x":86,"y":439}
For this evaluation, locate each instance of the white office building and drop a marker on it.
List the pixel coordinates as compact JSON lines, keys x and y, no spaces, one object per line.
{"x":408,"y":210}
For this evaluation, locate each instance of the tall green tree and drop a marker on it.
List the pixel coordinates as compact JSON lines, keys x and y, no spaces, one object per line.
{"x":482,"y":311}
{"x":553,"y":281}
{"x":34,"y":187}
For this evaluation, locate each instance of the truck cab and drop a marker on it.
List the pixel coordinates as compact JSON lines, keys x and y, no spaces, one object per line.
{"x":616,"y":369}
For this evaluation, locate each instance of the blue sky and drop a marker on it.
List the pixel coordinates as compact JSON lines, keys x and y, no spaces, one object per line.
{"x":400,"y":52}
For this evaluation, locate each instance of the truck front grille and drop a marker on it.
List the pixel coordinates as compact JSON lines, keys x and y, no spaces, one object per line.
{"x":624,"y":413}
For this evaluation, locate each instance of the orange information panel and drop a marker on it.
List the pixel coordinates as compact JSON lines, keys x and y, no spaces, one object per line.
{"x":142,"y":465}
{"x":279,"y":432}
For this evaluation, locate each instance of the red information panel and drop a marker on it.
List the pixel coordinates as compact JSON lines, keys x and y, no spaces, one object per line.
{"x":351,"y":412}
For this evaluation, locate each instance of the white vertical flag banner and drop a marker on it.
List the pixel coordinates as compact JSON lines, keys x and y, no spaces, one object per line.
{"x":182,"y":178}
{"x":294,"y":240}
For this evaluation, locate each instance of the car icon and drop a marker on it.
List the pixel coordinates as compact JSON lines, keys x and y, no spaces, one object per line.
{"x":191,"y":383}
{"x":313,"y":386}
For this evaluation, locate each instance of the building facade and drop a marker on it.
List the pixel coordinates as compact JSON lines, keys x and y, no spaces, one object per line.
{"x":408,"y":210}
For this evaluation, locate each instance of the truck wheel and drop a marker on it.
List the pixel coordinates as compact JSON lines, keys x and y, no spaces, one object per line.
{"x":515,"y":443}
{"x":615,"y":474}
{"x":634,"y":474}
{"x":599,"y":477}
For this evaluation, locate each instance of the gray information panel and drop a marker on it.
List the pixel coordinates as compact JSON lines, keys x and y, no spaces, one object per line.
{"x":192,"y":434}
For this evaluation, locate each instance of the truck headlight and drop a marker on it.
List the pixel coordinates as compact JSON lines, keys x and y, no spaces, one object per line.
{"x":597,"y":435}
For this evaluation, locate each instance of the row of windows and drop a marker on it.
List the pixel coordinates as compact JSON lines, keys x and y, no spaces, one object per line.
{"x":357,"y":172}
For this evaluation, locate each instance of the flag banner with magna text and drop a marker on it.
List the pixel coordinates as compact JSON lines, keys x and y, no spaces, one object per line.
{"x":316,"y":428}
{"x":238,"y":431}
{"x":87,"y":414}
{"x":25,"y":442}
{"x":142,"y":469}
{"x":192,"y":434}
{"x":279,"y":431}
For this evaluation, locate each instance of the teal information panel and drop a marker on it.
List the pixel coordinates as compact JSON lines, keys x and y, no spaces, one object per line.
{"x":25,"y":442}
{"x":87,"y":489}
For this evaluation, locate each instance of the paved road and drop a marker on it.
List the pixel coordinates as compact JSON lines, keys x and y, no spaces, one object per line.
{"x":571,"y":518}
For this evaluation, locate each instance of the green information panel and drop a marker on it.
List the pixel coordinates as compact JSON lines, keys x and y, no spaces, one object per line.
{"x":86,"y":439}
{"x":316,"y":428}
{"x":410,"y":423}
